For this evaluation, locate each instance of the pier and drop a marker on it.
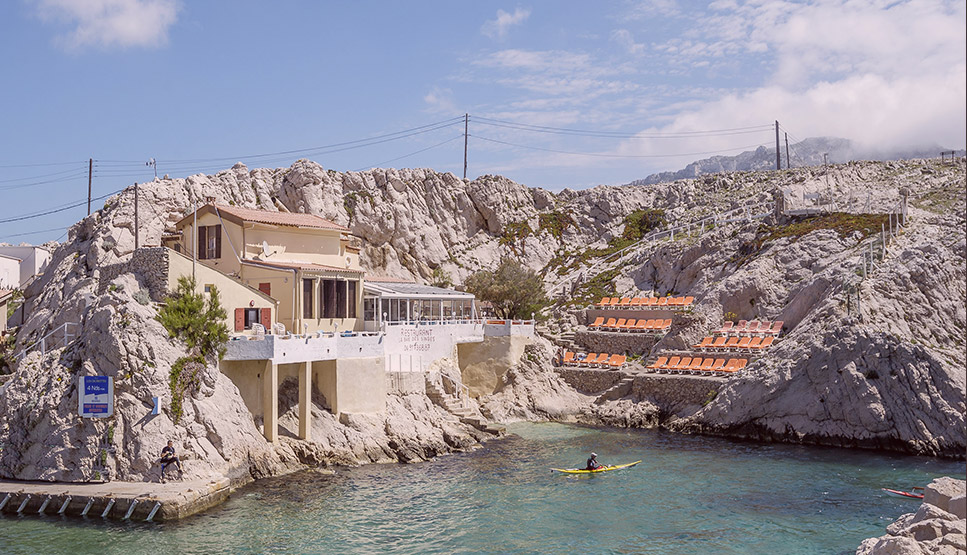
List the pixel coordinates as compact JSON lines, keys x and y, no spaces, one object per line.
{"x":136,"y":501}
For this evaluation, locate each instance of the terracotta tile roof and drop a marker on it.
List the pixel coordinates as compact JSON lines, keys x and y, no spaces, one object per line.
{"x":4,"y":293}
{"x":300,"y":266}
{"x":279,"y":218}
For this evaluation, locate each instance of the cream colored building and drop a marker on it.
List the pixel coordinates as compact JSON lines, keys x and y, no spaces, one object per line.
{"x":300,"y":260}
{"x":5,"y":297}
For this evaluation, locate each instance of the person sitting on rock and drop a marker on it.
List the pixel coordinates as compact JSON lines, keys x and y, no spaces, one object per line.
{"x":593,"y":463}
{"x":168,"y":457}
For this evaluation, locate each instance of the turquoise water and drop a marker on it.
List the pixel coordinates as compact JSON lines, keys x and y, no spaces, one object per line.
{"x":690,"y":495}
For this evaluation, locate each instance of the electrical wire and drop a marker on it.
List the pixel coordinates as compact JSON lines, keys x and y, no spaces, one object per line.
{"x":410,"y":154}
{"x":605,"y":155}
{"x":56,"y":210}
{"x":619,"y":134}
{"x":62,"y":172}
{"x":46,"y":182}
{"x":33,"y":232}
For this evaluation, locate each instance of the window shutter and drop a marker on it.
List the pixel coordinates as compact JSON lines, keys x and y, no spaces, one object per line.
{"x":265,"y":318}
{"x":266,"y":288}
{"x":239,"y":319}
{"x":202,"y":242}
{"x":217,"y":229}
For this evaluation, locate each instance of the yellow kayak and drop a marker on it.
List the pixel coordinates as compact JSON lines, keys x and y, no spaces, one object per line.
{"x":602,"y":469}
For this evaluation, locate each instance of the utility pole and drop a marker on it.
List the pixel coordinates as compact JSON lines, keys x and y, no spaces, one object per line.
{"x":194,"y":235}
{"x":466,"y":127}
{"x":137,"y":225}
{"x":90,"y":177}
{"x":778,"y":154}
{"x":787,"y":149}
{"x":152,"y":163}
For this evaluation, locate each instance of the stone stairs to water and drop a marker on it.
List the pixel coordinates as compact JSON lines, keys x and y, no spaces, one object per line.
{"x":616,"y":391}
{"x":462,"y":413}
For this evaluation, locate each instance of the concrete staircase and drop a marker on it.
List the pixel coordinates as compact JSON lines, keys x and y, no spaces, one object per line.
{"x":462,"y":412}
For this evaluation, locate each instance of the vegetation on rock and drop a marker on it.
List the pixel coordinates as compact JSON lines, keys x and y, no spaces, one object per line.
{"x":198,"y":322}
{"x":515,"y":291}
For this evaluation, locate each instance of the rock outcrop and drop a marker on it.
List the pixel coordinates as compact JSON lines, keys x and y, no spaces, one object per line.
{"x":938,"y":526}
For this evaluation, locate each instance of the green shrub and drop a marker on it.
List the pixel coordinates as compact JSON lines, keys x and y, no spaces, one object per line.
{"x":515,"y":292}
{"x":199,"y":323}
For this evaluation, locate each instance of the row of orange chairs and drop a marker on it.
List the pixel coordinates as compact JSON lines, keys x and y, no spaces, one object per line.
{"x":687,"y":365}
{"x":594,"y":360}
{"x":723,"y":343}
{"x":646,"y":302}
{"x":622,"y":324}
{"x":755,"y":327}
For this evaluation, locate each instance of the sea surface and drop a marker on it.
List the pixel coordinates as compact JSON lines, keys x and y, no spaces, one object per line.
{"x":691,"y":494}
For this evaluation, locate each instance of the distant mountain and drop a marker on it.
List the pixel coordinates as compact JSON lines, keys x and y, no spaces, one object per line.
{"x":805,"y":153}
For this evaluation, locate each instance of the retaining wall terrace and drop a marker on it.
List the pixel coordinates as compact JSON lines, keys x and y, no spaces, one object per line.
{"x":673,"y":394}
{"x":615,"y":342}
{"x":150,"y":263}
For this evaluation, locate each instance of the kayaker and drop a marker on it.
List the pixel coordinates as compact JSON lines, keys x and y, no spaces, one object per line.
{"x":593,"y":463}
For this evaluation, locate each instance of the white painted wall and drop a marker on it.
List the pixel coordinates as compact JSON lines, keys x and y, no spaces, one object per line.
{"x":9,"y":273}
{"x":33,"y":260}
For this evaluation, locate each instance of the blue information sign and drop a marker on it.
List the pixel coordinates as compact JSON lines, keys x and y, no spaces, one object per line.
{"x":96,"y":396}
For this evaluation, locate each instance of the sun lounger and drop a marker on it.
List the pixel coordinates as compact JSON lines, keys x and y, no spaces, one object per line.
{"x":642,"y":324}
{"x":754,"y":344}
{"x":741,"y":364}
{"x":568,"y":357}
{"x":776,"y":328}
{"x":705,"y":343}
{"x":719,"y":364}
{"x":730,"y":365}
{"x":636,"y":302}
{"x":740,"y":328}
{"x":679,"y":302}
{"x":733,"y":342}
{"x":725,"y":329}
{"x":688,"y":302}
{"x":625,"y":302}
{"x":658,"y":363}
{"x":719,"y":343}
{"x":597,"y":322}
{"x":618,"y":325}
{"x":707,"y":365}
{"x":682,"y":364}
{"x":605,"y":301}
{"x":751,"y":328}
{"x":743,"y":343}
{"x":588,"y":360}
{"x":667,"y":324}
{"x":616,"y":361}
{"x":630,"y":324}
{"x":671,"y":363}
{"x":696,"y":365}
{"x":651,"y":301}
{"x":614,"y":302}
{"x":766,"y":342}
{"x":610,"y":324}
{"x":662,"y":302}
{"x":763,"y":327}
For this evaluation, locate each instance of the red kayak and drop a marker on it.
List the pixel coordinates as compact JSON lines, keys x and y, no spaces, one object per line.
{"x":904,"y":493}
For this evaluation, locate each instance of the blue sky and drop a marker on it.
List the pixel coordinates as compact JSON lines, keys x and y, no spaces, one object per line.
{"x":200,"y":85}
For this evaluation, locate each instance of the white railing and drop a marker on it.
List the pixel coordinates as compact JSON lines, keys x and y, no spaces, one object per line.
{"x":462,"y":392}
{"x":68,"y":331}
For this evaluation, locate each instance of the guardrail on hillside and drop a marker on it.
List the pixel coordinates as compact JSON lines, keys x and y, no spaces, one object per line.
{"x":58,"y":337}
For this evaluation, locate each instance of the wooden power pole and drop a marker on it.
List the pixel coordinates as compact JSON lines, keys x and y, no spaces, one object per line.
{"x":137,"y":226}
{"x":778,"y":154}
{"x":787,"y":150}
{"x":466,"y":127}
{"x":90,"y":176}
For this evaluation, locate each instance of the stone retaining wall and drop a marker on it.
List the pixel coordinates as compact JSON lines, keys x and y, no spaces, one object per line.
{"x":614,"y":342}
{"x":674,"y":394}
{"x":150,"y":263}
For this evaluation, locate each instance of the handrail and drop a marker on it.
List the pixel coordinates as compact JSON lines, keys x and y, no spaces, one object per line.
{"x":42,"y":343}
{"x":459,"y":387}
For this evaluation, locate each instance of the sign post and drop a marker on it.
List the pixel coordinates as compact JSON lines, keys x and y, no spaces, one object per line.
{"x":95,"y":397}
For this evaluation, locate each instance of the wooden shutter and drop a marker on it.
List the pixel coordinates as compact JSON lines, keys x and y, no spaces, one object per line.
{"x":239,"y":319}
{"x":202,"y":242}
{"x":217,"y":230}
{"x":265,"y":318}
{"x":266,"y":288}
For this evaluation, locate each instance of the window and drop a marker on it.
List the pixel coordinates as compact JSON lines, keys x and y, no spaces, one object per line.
{"x":329,"y":292}
{"x":208,"y":287}
{"x":266,"y":288}
{"x":307,"y":287}
{"x":369,"y":310}
{"x":351,"y":308}
{"x":340,"y":299}
{"x":209,"y":242}
{"x":251,"y":317}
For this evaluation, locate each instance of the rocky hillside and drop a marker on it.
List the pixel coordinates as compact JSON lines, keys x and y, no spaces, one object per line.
{"x":813,"y":151}
{"x":886,"y":373}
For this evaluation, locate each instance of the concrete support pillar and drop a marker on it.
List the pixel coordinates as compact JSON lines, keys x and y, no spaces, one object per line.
{"x":270,"y":401}
{"x":305,"y":399}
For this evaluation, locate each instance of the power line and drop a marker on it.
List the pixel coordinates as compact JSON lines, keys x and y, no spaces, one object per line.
{"x":620,"y":134}
{"x":46,"y":164}
{"x":56,"y":210}
{"x":62,"y":172}
{"x":410,"y":154}
{"x":45,"y":182}
{"x":605,"y":155}
{"x":33,"y":232}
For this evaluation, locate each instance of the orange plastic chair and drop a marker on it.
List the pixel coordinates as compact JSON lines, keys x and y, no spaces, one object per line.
{"x":658,"y":363}
{"x":671,"y":363}
{"x":707,"y":342}
{"x":725,"y":329}
{"x":733,"y":343}
{"x":719,"y":343}
{"x":708,"y":365}
{"x":651,"y":301}
{"x":636,"y":302}
{"x":754,"y":344}
{"x":568,"y":357}
{"x":597,"y":322}
{"x":611,"y":323}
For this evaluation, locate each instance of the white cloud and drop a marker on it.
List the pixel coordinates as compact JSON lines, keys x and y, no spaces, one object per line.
{"x":497,"y":28}
{"x":627,"y":40}
{"x":112,"y":23}
{"x":440,"y":100}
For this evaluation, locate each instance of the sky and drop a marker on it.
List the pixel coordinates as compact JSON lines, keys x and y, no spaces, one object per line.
{"x":559,"y":93}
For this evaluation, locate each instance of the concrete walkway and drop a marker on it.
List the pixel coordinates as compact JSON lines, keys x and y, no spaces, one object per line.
{"x":118,"y":500}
